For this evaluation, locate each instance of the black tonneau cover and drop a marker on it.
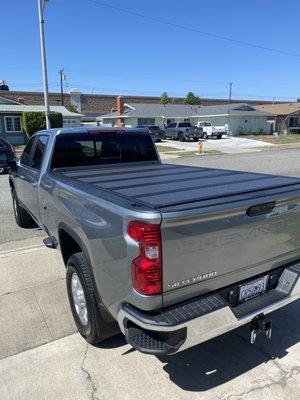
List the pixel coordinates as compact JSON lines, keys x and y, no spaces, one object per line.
{"x":165,"y":185}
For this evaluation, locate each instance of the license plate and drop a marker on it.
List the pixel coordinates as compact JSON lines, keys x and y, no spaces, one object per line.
{"x":253,"y":289}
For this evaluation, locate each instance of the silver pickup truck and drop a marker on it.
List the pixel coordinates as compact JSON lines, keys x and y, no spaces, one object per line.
{"x":170,"y":255}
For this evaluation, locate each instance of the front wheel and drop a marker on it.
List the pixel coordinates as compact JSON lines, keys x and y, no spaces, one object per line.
{"x":22,"y":217}
{"x":84,"y":307}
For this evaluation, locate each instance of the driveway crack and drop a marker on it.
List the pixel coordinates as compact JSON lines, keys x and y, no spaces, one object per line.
{"x":88,"y":375}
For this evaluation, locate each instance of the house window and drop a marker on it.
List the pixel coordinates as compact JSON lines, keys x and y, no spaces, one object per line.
{"x":146,"y":121}
{"x":13,"y":124}
{"x":294,"y":122}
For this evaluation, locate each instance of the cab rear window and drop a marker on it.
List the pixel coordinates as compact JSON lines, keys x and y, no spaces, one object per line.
{"x":95,"y":149}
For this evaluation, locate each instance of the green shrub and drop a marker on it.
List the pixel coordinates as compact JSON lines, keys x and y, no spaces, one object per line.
{"x":36,"y":121}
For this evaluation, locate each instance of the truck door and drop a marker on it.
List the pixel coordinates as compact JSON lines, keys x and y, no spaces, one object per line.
{"x":25,"y":175}
{"x":36,"y":163}
{"x":171,"y":130}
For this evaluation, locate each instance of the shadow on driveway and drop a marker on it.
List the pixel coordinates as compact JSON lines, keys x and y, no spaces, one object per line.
{"x":226,"y":357}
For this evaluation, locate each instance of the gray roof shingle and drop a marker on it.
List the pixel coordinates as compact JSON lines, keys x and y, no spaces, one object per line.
{"x":137,"y":110}
{"x":19,"y":108}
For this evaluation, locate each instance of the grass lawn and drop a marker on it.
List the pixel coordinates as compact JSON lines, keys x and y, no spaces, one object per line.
{"x":281,"y":139}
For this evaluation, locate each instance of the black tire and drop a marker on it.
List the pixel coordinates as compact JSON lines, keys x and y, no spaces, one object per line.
{"x":205,"y":136}
{"x":3,"y":171}
{"x":96,"y":329}
{"x":181,"y":137}
{"x":22,"y":217}
{"x":195,"y":139}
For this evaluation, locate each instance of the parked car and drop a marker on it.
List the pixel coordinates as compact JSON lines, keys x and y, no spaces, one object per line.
{"x":183,"y":131}
{"x":211,"y":131}
{"x":155,"y":131}
{"x":7,"y":153}
{"x":170,"y":255}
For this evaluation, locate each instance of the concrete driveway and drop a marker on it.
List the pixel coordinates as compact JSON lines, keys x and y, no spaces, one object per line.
{"x":42,"y":357}
{"x":229,"y":145}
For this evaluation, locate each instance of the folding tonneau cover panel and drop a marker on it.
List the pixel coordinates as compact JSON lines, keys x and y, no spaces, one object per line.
{"x":164,"y":185}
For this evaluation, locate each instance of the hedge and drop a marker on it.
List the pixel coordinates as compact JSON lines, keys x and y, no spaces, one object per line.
{"x":36,"y":121}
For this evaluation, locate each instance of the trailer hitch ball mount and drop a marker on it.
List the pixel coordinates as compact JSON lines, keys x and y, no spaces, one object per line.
{"x":260,"y":324}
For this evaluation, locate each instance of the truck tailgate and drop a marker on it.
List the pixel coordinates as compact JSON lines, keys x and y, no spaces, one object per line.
{"x":213,"y":242}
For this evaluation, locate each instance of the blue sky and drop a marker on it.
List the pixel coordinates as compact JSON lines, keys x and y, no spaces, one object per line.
{"x":107,"y":51}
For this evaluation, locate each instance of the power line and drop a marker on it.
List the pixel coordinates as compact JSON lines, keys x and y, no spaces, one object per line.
{"x":187,"y":28}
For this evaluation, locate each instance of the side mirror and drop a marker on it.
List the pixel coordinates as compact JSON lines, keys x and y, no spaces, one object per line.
{"x":13,"y":165}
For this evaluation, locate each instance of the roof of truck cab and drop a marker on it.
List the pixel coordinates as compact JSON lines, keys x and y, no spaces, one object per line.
{"x":96,"y":129}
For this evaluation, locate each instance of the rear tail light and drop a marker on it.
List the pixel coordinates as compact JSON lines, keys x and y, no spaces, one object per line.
{"x":146,"y":269}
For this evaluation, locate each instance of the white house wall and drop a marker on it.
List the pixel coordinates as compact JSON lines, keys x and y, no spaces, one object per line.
{"x":132,"y":122}
{"x":216,"y":121}
{"x":248,"y":125}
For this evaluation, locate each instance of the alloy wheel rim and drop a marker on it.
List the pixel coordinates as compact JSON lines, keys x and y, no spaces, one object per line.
{"x":79,"y":299}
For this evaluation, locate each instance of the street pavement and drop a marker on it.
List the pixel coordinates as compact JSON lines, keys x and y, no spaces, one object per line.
{"x":276,"y":162}
{"x":42,"y":356}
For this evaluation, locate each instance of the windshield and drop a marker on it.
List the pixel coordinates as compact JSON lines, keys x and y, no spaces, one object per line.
{"x":95,"y":149}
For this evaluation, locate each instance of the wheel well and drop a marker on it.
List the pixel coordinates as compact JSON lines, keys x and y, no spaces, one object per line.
{"x":68,"y":245}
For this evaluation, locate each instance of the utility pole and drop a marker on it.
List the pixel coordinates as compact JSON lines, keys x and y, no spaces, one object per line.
{"x":230,"y":90}
{"x":41,"y":6}
{"x":62,"y":78}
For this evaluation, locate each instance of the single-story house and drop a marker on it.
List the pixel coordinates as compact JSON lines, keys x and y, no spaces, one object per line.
{"x":285,"y":116}
{"x":11,"y":118}
{"x":239,"y":118}
{"x":135,"y":114}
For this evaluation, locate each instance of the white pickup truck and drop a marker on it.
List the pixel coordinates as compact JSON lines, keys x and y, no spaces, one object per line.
{"x":210,"y":131}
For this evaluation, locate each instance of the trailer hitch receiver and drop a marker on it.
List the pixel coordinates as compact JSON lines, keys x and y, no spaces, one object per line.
{"x":260,"y":324}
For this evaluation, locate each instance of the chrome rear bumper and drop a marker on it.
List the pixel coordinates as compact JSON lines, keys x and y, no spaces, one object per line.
{"x":202,"y":319}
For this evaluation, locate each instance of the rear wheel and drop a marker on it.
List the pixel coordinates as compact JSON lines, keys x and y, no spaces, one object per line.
{"x":181,"y":137}
{"x":22,"y":217}
{"x":205,"y":136}
{"x":84,"y":307}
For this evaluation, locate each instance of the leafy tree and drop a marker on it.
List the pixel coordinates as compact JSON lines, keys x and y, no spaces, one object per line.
{"x":72,"y":108}
{"x":191,"y":98}
{"x":164,"y":98}
{"x":36,"y":121}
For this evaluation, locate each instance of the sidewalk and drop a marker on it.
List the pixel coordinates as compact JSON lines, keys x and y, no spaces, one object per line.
{"x":33,"y":300}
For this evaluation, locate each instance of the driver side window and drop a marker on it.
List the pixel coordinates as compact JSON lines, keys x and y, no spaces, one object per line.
{"x":25,"y":157}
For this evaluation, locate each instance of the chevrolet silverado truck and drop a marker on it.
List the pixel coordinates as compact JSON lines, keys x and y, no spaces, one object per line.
{"x":169,"y":255}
